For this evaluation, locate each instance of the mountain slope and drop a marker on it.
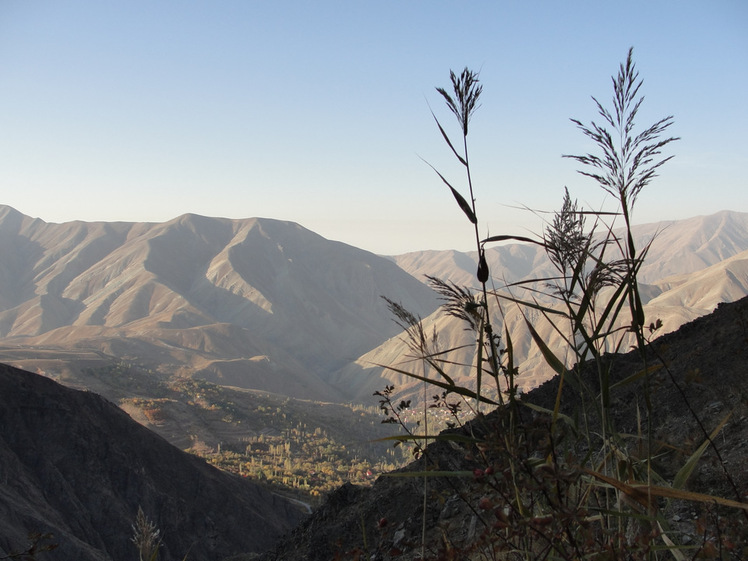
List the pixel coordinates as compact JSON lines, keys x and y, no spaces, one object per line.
{"x":255,"y":303}
{"x":75,"y":465}
{"x":708,"y":359}
{"x":726,"y":281}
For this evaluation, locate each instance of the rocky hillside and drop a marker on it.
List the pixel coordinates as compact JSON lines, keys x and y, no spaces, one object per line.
{"x":74,"y":465}
{"x":707,"y":359}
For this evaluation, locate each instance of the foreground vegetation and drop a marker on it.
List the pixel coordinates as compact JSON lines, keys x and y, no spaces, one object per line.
{"x":567,"y":481}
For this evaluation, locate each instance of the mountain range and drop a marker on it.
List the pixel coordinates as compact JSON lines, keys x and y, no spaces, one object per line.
{"x":268,"y":305}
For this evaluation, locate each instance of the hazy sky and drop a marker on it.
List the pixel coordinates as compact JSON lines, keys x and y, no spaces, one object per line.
{"x":318,"y":112}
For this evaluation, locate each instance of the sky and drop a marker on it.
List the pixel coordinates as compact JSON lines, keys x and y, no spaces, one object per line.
{"x":320,"y":112}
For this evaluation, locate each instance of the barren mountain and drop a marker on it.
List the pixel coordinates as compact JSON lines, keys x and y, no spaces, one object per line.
{"x":254,"y":303}
{"x":268,"y":305}
{"x":74,"y":465}
{"x":674,"y":301}
{"x":726,"y":281}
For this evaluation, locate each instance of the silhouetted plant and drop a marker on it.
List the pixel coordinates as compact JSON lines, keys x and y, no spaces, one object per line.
{"x":463,"y":102}
{"x":146,"y":537}
{"x":554,"y":486}
{"x":628,"y":163}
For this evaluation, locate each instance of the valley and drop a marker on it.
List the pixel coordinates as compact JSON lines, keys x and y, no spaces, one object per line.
{"x":302,"y":449}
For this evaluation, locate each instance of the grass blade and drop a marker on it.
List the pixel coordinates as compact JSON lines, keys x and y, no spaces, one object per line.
{"x":640,"y":492}
{"x":429,"y":474}
{"x":447,"y":437}
{"x":507,"y":237}
{"x":449,"y":142}
{"x":466,"y":208}
{"x":551,"y":359}
{"x":450,"y":387}
{"x":636,"y":376}
{"x":685,"y":472}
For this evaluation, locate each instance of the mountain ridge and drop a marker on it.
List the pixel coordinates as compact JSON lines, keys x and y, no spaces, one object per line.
{"x":678,"y":247}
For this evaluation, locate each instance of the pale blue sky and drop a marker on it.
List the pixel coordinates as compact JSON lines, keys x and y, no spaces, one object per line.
{"x":317,"y":112}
